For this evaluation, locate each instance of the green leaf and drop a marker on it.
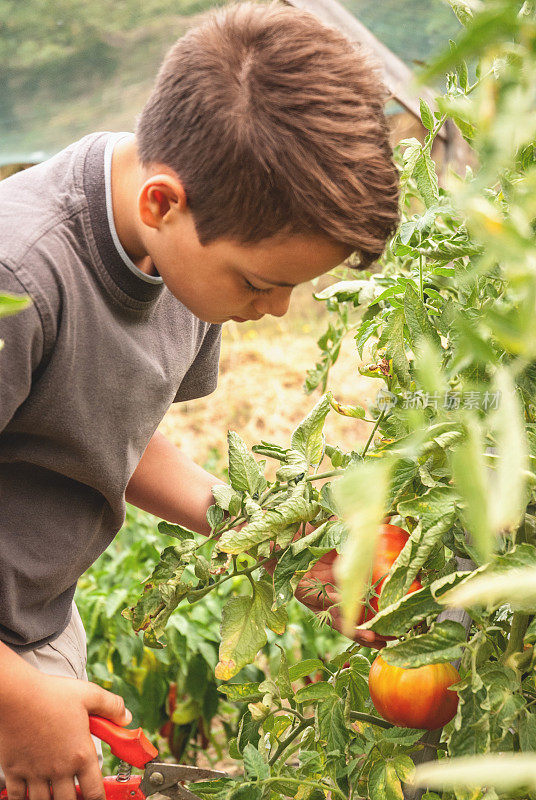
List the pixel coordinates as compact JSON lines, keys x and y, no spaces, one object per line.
{"x":504,"y":771}
{"x":244,"y":473}
{"x":384,"y":782}
{"x":508,"y":483}
{"x":162,"y":593}
{"x":442,"y":643}
{"x":417,"y":319}
{"x":283,"y":677}
{"x":254,"y":764}
{"x":404,"y":737}
{"x":224,"y":495}
{"x":331,"y":725}
{"x":426,"y":115}
{"x":243,"y":692}
{"x":400,"y":617}
{"x":176,"y":530}
{"x":471,"y":733}
{"x":361,"y":495}
{"x":12,"y":304}
{"x":306,"y":667}
{"x":392,"y":338}
{"x":516,"y":586}
{"x":436,"y":511}
{"x":527,"y":731}
{"x":308,"y":439}
{"x":426,"y":179}
{"x":470,"y":476}
{"x":315,"y":691}
{"x":243,"y":624}
{"x":215,"y":516}
{"x":293,"y":511}
{"x":285,"y":577}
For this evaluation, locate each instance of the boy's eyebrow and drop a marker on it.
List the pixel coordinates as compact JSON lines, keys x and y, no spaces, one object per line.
{"x":271,"y":280}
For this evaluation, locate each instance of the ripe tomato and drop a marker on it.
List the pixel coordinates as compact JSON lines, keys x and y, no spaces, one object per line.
{"x":414,"y":698}
{"x":390,"y":542}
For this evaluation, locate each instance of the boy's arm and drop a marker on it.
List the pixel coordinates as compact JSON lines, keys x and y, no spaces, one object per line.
{"x":44,"y":731}
{"x":170,"y":485}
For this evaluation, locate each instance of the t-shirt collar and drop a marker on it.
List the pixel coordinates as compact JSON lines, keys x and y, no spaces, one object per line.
{"x":97,"y":186}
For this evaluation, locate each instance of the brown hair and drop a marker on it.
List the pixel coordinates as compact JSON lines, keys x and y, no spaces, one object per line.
{"x":274,"y":123}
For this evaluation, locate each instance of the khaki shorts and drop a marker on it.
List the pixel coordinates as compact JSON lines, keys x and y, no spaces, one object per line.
{"x":65,"y":657}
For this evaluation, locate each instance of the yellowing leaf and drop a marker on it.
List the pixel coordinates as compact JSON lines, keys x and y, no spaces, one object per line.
{"x":361,"y":495}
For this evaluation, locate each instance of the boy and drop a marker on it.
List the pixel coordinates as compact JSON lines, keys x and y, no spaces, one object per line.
{"x":260,"y":161}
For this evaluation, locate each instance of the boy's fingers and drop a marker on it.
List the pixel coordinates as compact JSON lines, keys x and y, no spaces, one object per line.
{"x":63,"y":789}
{"x":106,"y":704}
{"x":16,"y":789}
{"x":38,"y":790}
{"x":91,"y":784}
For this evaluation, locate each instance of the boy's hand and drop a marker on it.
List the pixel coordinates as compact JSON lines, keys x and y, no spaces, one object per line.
{"x":318,"y":601}
{"x":45,"y":740}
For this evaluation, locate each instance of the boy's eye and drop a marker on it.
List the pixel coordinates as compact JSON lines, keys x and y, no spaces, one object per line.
{"x":255,"y":289}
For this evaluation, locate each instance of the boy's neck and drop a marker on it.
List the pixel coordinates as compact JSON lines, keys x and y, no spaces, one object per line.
{"x":126,"y":181}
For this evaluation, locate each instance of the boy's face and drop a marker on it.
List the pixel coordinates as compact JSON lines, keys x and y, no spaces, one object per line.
{"x":225,"y":280}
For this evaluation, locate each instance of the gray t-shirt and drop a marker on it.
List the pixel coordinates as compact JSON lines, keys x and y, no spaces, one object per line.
{"x":87,"y":373}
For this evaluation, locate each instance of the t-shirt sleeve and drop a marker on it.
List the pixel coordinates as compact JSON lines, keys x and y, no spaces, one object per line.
{"x":22,"y":350}
{"x":202,"y":376}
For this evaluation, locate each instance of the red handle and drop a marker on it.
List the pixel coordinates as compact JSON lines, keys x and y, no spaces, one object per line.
{"x":131,"y":746}
{"x":113,"y":790}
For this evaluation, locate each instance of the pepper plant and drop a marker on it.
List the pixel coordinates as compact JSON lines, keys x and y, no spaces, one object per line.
{"x":446,"y":330}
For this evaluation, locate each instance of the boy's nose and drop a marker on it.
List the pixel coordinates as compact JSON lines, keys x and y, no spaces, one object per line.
{"x":276,"y":303}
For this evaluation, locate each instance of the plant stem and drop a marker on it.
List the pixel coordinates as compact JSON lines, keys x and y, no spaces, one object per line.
{"x":420,"y":279}
{"x":520,"y":623}
{"x":371,"y":437}
{"x":372,"y":720}
{"x":300,"y":782}
{"x":324,"y":475}
{"x":290,"y":738}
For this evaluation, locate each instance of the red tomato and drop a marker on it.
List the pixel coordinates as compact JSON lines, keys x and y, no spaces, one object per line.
{"x":414,"y":698}
{"x":390,"y":542}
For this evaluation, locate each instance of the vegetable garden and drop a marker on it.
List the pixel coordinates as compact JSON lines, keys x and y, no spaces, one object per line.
{"x":425,"y":537}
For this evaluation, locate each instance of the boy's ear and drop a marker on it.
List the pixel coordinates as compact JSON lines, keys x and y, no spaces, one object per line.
{"x":160,"y":198}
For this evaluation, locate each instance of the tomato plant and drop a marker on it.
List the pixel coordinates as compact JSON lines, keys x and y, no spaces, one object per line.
{"x":414,"y":698}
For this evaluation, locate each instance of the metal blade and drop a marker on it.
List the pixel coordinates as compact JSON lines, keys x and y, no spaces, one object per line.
{"x":184,"y":772}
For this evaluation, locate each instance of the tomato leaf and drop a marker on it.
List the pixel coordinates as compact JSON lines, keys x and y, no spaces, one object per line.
{"x":361,"y":494}
{"x":425,"y":176}
{"x":417,"y":319}
{"x":436,"y":510}
{"x":442,"y":643}
{"x":287,"y":574}
{"x":303,"y":668}
{"x":243,"y":628}
{"x":507,"y":498}
{"x":398,"y":618}
{"x":392,"y":338}
{"x":225,"y":495}
{"x":244,"y":472}
{"x":255,"y":766}
{"x":315,"y":691}
{"x":272,"y":522}
{"x":244,"y":692}
{"x":307,"y":439}
{"x":12,"y":304}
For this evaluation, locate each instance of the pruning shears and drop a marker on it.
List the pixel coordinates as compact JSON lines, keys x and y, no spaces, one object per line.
{"x":134,"y":750}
